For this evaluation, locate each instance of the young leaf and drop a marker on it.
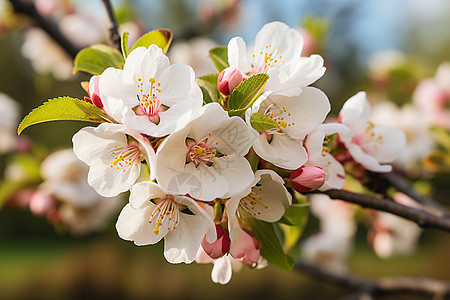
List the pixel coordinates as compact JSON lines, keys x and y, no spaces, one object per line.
{"x":219,"y":56}
{"x":296,"y":214}
{"x":63,"y":108}
{"x":97,"y":58}
{"x":271,"y":248}
{"x":160,"y":37}
{"x":247,"y":92}
{"x":260,"y":122}
{"x":125,"y":49}
{"x":208,"y":84}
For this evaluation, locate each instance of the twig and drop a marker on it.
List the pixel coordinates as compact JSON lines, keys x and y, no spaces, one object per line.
{"x":28,"y":8}
{"x":114,"y":36}
{"x":375,"y":287}
{"x":422,"y":218}
{"x":402,"y":186}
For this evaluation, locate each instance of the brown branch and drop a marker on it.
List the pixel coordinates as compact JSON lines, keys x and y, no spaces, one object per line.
{"x":114,"y":36}
{"x":404,"y":187}
{"x":421,"y":217}
{"x":375,"y":287}
{"x":28,"y":8}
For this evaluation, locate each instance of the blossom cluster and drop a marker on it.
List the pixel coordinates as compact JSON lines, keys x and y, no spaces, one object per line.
{"x":203,"y":173}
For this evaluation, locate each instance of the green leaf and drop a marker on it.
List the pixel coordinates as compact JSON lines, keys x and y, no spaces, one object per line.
{"x":219,"y":56}
{"x":271,"y":248}
{"x":247,"y":92}
{"x":125,"y":49}
{"x":63,"y":108}
{"x":97,"y":58}
{"x":253,"y":159}
{"x":208,"y":84}
{"x":160,"y":37}
{"x":296,"y":214}
{"x":294,"y":221}
{"x":260,"y":122}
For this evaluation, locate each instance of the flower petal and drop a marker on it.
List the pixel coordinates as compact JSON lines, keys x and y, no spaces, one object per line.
{"x":355,"y":112}
{"x":144,"y":191}
{"x":238,"y":56}
{"x":182,"y":244}
{"x":132,"y":225}
{"x":222,"y":271}
{"x":283,"y":151}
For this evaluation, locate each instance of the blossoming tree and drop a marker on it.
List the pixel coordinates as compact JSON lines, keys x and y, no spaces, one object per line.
{"x":219,"y":166}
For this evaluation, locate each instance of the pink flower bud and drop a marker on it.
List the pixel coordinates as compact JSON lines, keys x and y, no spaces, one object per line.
{"x":246,"y":248}
{"x":220,"y":246}
{"x":229,"y":79}
{"x":306,"y":179}
{"x":94,"y":91}
{"x":41,"y":203}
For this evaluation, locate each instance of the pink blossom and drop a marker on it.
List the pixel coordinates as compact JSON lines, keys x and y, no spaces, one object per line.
{"x":220,"y":247}
{"x":306,"y":179}
{"x":229,"y":79}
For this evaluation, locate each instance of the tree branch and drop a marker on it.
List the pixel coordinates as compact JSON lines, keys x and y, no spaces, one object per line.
{"x":404,"y":187}
{"x":28,"y":8}
{"x":422,"y":218}
{"x":114,"y":36}
{"x":374,"y":287}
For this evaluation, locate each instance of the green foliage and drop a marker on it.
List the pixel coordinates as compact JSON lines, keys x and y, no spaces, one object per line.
{"x":271,"y":248}
{"x":253,"y":159}
{"x":29,"y":165}
{"x":260,"y":122}
{"x":125,"y":49}
{"x":246,"y":93}
{"x":97,"y":58}
{"x":160,"y":37}
{"x":219,"y":56}
{"x":208,"y":84}
{"x":294,"y":221}
{"x":63,"y":108}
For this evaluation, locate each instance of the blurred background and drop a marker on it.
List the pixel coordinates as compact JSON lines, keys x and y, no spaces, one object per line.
{"x":53,"y":247}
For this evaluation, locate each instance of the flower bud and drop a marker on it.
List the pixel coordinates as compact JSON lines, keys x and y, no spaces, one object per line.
{"x":94,"y":91}
{"x":229,"y":79}
{"x":220,"y":246}
{"x":41,"y":203}
{"x":306,"y":179}
{"x":246,"y":248}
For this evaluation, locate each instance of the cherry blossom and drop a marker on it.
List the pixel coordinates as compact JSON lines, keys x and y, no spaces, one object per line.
{"x":150,"y":95}
{"x":319,"y":154}
{"x":114,"y":154}
{"x":295,"y":117}
{"x":277,"y":52}
{"x":373,"y":146}
{"x":152,"y":215}
{"x":206,"y":158}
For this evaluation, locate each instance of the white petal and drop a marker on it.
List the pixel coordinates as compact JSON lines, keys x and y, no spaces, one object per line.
{"x":238,"y":56}
{"x":132,"y":225}
{"x":144,"y":191}
{"x":304,"y":112}
{"x":145,"y":64}
{"x":211,"y":235}
{"x":273,"y":195}
{"x":178,"y":85}
{"x":233,"y":137}
{"x":222,"y":271}
{"x":89,"y":143}
{"x":391,"y":145}
{"x":283,"y":151}
{"x":210,"y":119}
{"x":237,"y":172}
{"x":355,"y":112}
{"x":367,"y":161}
{"x":334,"y":174}
{"x":182,"y":244}
{"x":109,"y":181}
{"x":283,"y":40}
